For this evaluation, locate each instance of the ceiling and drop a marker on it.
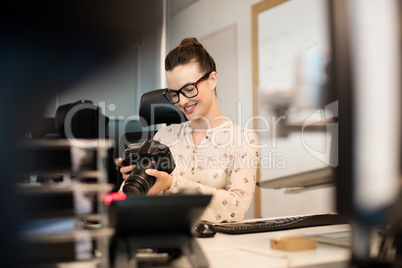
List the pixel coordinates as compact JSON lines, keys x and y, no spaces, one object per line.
{"x":148,"y":15}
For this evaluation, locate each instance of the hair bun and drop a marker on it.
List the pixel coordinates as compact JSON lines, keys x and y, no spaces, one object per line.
{"x":190,"y":41}
{"x":190,"y":50}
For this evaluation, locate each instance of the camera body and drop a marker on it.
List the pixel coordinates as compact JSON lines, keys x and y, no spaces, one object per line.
{"x":148,"y":154}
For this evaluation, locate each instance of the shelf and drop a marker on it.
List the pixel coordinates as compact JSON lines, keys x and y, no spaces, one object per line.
{"x":68,"y":236}
{"x":322,"y":177}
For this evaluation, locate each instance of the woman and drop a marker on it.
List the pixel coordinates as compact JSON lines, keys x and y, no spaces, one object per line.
{"x":212,"y":154}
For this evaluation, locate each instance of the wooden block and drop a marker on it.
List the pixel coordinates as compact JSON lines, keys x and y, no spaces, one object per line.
{"x":293,"y":243}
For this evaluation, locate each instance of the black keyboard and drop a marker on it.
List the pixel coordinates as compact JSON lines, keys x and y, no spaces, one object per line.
{"x":279,"y":224}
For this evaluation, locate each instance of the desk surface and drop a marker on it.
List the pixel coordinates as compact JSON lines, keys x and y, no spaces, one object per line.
{"x":253,"y":250}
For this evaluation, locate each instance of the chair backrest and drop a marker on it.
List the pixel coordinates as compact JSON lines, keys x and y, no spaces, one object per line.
{"x":154,"y":109}
{"x":83,"y":122}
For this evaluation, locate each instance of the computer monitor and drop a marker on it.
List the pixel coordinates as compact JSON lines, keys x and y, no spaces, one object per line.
{"x":366,"y":80}
{"x":141,"y":215}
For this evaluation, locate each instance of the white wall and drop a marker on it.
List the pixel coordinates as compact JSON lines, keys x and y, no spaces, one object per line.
{"x":207,"y":17}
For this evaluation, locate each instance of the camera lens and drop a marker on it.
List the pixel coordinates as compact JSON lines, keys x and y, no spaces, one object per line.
{"x":139,"y":183}
{"x":135,"y":185}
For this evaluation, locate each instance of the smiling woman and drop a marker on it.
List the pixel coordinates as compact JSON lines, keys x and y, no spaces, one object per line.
{"x":212,"y":154}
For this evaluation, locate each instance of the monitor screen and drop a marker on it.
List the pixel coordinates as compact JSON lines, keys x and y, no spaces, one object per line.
{"x":177,"y":213}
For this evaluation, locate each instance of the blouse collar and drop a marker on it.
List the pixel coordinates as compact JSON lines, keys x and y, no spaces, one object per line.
{"x":226,"y":124}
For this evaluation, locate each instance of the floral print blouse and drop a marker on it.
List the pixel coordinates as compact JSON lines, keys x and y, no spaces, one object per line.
{"x":224,"y":165}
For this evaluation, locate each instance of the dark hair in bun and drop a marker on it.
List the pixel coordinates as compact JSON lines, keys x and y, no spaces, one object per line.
{"x":187,"y":51}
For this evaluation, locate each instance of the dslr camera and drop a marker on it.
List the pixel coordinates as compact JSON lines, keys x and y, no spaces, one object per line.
{"x":145,"y":155}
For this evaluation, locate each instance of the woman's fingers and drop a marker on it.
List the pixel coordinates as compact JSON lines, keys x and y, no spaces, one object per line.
{"x":124,"y":170}
{"x":119,"y":162}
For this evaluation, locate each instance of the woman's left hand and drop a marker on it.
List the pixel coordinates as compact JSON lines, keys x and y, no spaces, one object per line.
{"x":163,"y":181}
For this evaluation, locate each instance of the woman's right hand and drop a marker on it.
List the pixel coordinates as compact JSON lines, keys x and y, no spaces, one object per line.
{"x":124,"y":170}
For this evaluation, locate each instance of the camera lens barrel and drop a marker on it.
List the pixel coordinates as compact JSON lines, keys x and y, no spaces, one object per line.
{"x":150,"y":154}
{"x":139,"y":182}
{"x":138,"y":185}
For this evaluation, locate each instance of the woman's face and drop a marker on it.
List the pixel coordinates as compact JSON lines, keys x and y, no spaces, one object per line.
{"x":201,"y":105}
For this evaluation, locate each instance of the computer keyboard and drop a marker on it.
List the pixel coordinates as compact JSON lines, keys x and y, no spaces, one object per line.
{"x":278,"y":224}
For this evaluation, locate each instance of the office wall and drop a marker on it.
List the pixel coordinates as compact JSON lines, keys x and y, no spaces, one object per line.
{"x":112,"y":88}
{"x":206,"y":18}
{"x":119,"y":86}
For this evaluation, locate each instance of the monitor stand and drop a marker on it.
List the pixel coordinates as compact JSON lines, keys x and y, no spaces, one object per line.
{"x":157,"y":250}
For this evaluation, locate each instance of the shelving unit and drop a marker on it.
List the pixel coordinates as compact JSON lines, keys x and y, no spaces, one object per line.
{"x":65,"y":223}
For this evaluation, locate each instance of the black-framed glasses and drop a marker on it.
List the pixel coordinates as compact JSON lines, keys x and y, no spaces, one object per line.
{"x":188,"y":90}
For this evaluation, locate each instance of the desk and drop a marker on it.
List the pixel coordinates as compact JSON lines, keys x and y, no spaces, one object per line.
{"x":253,"y":250}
